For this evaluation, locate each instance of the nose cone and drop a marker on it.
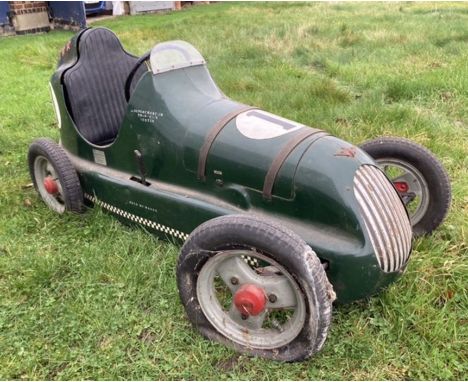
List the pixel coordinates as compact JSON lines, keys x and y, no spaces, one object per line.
{"x":323,"y":184}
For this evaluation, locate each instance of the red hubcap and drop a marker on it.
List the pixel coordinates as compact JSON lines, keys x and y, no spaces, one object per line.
{"x":250,"y":300}
{"x":50,"y":185}
{"x":401,"y":186}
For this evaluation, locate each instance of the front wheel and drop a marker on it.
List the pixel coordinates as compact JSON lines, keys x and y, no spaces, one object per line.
{"x":255,"y":286}
{"x":419,"y":178}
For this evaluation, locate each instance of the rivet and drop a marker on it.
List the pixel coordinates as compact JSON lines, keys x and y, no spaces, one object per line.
{"x":272,"y":298}
{"x":234,"y":280}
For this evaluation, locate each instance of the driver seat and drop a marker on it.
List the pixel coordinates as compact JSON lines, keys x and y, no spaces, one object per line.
{"x":94,"y":86}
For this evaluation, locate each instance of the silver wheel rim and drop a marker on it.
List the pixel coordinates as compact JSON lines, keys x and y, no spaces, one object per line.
{"x":43,"y":169}
{"x":416,"y":208}
{"x":263,"y":331}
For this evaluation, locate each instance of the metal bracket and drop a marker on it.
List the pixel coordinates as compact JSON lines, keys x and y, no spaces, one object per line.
{"x":141,"y":168}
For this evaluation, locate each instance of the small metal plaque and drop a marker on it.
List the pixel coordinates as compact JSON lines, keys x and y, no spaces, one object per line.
{"x":99,"y":157}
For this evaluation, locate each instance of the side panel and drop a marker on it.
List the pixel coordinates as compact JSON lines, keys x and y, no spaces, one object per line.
{"x":173,"y":212}
{"x":164,"y":211}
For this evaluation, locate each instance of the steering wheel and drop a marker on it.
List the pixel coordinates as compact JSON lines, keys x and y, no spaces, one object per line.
{"x":131,"y":75}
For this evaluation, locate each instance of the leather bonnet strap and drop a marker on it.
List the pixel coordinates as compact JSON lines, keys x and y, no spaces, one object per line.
{"x":211,"y":136}
{"x":284,"y":153}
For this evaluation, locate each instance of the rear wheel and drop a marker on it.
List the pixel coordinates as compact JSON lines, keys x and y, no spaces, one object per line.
{"x":54,"y":176}
{"x":255,"y":286}
{"x":419,"y":178}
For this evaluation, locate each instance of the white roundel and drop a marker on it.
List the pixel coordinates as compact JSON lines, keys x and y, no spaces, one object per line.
{"x":259,"y":124}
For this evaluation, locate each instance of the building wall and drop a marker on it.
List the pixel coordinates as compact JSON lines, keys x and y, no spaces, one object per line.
{"x":29,"y":16}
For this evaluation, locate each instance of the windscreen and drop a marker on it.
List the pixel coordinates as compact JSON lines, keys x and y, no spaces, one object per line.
{"x":174,"y":55}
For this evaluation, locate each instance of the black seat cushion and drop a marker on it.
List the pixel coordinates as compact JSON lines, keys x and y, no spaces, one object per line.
{"x":94,"y":86}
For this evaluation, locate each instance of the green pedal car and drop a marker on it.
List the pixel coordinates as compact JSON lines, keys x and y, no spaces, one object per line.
{"x":277,"y":219}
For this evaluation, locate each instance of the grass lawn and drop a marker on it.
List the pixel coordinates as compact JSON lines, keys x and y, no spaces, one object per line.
{"x":83,"y":297}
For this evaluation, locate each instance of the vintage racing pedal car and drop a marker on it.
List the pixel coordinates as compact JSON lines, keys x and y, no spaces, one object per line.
{"x":277,"y":219}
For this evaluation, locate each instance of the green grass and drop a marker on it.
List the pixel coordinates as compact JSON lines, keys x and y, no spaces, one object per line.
{"x":83,"y":297}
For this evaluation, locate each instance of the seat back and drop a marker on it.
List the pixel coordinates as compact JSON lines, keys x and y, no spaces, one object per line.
{"x":94,"y":86}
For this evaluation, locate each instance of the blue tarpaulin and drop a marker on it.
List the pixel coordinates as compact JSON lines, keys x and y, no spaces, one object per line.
{"x":68,"y":12}
{"x":4,"y":9}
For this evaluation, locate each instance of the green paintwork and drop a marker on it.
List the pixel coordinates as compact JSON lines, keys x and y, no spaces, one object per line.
{"x":167,"y":120}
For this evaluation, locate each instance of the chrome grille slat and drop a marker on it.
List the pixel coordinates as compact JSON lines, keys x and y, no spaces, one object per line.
{"x":370,"y":222}
{"x":387,"y":192}
{"x":402,"y":211}
{"x":377,"y":226}
{"x":401,"y":214}
{"x":385,"y":217}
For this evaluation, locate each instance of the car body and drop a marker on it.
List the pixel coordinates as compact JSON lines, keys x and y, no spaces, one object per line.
{"x":164,"y":171}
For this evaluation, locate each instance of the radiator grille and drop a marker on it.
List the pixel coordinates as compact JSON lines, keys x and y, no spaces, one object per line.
{"x":385,"y":217}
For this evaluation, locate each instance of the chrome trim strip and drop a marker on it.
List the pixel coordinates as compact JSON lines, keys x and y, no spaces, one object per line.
{"x":385,"y":218}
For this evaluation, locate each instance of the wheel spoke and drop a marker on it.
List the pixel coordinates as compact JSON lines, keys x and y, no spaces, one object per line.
{"x":274,"y":304}
{"x":408,"y":198}
{"x":279,"y":289}
{"x":251,"y":322}
{"x":235,"y":268}
{"x":50,"y":169}
{"x":411,"y":181}
{"x":416,"y":195}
